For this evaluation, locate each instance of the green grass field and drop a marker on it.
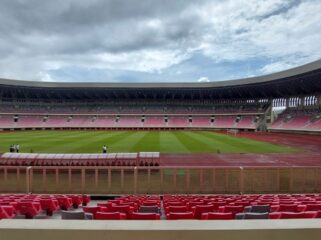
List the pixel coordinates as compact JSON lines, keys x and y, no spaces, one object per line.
{"x":134,"y":141}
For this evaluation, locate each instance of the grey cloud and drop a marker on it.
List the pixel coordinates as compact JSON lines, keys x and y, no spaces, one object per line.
{"x":71,"y":27}
{"x":38,"y":36}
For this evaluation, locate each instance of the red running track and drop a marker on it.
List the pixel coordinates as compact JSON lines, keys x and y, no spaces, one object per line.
{"x":309,"y":157}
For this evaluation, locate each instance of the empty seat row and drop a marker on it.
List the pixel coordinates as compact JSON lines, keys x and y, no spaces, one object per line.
{"x":32,"y":205}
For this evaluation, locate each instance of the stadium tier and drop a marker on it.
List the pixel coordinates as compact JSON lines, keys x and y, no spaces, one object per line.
{"x":299,"y":120}
{"x":248,"y":104}
{"x":47,"y":121}
{"x":166,"y":207}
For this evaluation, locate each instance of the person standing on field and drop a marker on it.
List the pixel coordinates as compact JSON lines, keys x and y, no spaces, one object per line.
{"x":17,"y":148}
{"x":104,"y":149}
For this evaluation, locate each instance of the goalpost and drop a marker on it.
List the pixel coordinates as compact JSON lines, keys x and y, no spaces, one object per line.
{"x":233,"y":132}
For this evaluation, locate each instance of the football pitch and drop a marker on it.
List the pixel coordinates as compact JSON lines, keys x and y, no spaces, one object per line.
{"x":134,"y":141}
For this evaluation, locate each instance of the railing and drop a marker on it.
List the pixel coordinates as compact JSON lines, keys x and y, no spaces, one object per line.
{"x":159,"y":180}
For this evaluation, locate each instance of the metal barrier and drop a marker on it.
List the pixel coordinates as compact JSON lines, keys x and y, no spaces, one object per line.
{"x":159,"y":180}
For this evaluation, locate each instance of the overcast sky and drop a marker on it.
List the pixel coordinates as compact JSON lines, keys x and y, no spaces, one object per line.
{"x":155,"y":40}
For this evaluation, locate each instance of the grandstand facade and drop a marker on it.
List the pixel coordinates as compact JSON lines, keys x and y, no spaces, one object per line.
{"x":245,"y":104}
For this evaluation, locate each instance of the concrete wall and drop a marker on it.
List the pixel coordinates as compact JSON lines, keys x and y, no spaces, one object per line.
{"x":292,"y":229}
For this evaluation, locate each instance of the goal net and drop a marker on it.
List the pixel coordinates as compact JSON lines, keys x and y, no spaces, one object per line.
{"x":232,"y":132}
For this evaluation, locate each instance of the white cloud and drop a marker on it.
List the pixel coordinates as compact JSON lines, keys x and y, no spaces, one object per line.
{"x":45,"y":77}
{"x":203,"y":79}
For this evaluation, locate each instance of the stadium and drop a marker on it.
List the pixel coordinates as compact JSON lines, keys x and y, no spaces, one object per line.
{"x":205,"y":138}
{"x":107,"y":154}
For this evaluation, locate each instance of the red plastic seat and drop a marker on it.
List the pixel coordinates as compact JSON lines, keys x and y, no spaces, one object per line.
{"x":194,"y":203}
{"x":85,"y":200}
{"x":131,"y":204}
{"x":7,"y":211}
{"x":309,"y":207}
{"x":151,"y":203}
{"x":92,"y":210}
{"x":176,"y":209}
{"x":198,"y":210}
{"x":178,"y":216}
{"x":76,"y":200}
{"x":285,"y":208}
{"x":64,"y":202}
{"x":217,"y":216}
{"x":48,"y":205}
{"x":145,"y":216}
{"x":110,"y":216}
{"x":3,"y":213}
{"x":167,"y":204}
{"x":233,"y":209}
{"x":107,"y":205}
{"x":29,"y":209}
{"x":123,"y":209}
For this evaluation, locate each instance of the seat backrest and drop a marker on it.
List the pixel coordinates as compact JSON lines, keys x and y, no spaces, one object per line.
{"x":46,"y":203}
{"x":233,"y":209}
{"x":255,"y":215}
{"x":151,"y":203}
{"x":92,"y":210}
{"x":199,"y":209}
{"x":289,"y":215}
{"x":313,"y":207}
{"x":260,"y":209}
{"x":167,"y":204}
{"x":25,"y":207}
{"x":217,"y":216}
{"x":149,"y":209}
{"x":121,"y":208}
{"x":145,"y":216}
{"x":107,"y":205}
{"x":10,"y":210}
{"x":194,"y":203}
{"x":177,"y":216}
{"x":288,"y":208}
{"x":3,"y":213}
{"x":176,"y":209}
{"x":72,"y":215}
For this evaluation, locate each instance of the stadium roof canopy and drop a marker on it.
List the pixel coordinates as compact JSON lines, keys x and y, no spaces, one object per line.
{"x":303,"y":80}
